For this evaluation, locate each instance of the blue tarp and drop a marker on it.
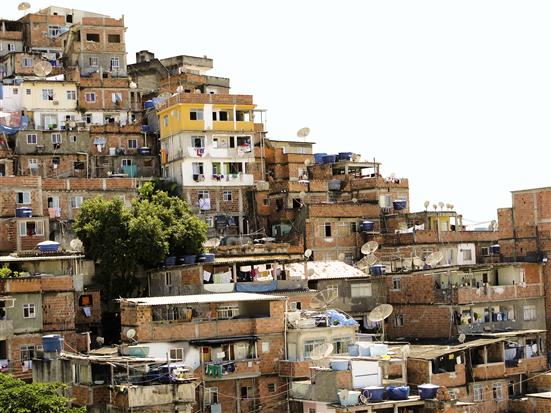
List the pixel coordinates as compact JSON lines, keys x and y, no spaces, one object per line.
{"x":340,"y":319}
{"x":7,"y":130}
{"x":256,"y":287}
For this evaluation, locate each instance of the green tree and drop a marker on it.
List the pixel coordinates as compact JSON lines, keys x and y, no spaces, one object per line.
{"x":16,"y":396}
{"x":121,"y":239}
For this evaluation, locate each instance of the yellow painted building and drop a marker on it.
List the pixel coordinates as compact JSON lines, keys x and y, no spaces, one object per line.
{"x":206,"y":117}
{"x":42,"y":95}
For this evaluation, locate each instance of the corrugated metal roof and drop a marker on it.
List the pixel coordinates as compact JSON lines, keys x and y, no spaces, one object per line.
{"x":429,"y":352}
{"x":325,"y":270}
{"x":202,"y":298}
{"x":10,"y":258}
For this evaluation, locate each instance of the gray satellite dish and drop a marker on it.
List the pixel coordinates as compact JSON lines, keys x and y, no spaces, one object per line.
{"x":76,"y":245}
{"x":303,"y":132}
{"x":42,"y":68}
{"x":100,"y":340}
{"x":379,"y":314}
{"x":434,"y":258}
{"x":180,"y":89}
{"x":133,"y":85}
{"x":461,"y":338}
{"x":308,"y":253}
{"x":23,"y":6}
{"x":341,"y":256}
{"x":367,"y":262}
{"x":418,"y":262}
{"x":369,"y":247}
{"x":322,"y":299}
{"x":211,"y":243}
{"x":131,"y":333}
{"x":407,"y":264}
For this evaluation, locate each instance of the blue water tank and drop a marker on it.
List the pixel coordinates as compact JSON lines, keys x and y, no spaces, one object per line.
{"x":318,"y":157}
{"x":494,"y":249}
{"x":205,"y":258}
{"x":48,"y":246}
{"x":378,"y":269}
{"x":398,"y":392}
{"x":334,"y":185}
{"x":145,"y":128}
{"x":170,"y":261}
{"x":149,"y":104}
{"x":427,"y":391}
{"x":23,"y":212}
{"x":345,"y":156}
{"x":144,"y":150}
{"x":400,"y":204}
{"x":367,"y":226}
{"x":188,"y":259}
{"x":374,"y":393}
{"x":52,"y":343}
{"x":330,"y":158}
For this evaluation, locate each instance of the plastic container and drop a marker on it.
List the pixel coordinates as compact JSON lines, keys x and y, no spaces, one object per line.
{"x":188,"y":259}
{"x":364,"y":349}
{"x":205,"y":257}
{"x":367,"y":226}
{"x":170,"y":261}
{"x":428,"y":391}
{"x":345,"y":156}
{"x":138,"y":351}
{"x":330,"y":158}
{"x":339,"y":365}
{"x":318,"y":157}
{"x":149,"y":104}
{"x":400,"y":204}
{"x":494,"y":249}
{"x":354,"y":350}
{"x":397,"y":392}
{"x":351,"y":399}
{"x":23,"y":212}
{"x":378,"y":269}
{"x":112,"y":151}
{"x":144,"y":150}
{"x":374,"y":393}
{"x":378,"y":349}
{"x":52,"y":343}
{"x":48,"y":246}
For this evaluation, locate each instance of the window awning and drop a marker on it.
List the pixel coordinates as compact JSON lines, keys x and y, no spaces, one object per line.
{"x":225,"y":340}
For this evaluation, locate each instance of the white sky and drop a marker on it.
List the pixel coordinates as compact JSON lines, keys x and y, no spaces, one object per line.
{"x":454,"y":95}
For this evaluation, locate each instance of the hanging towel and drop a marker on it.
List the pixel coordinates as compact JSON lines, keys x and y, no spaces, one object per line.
{"x":206,"y":275}
{"x":87,"y":311}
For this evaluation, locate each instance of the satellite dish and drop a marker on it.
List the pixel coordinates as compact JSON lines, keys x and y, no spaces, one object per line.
{"x":426,"y":204}
{"x":367,"y":261}
{"x":303,"y":133}
{"x":441,"y":205}
{"x":100,"y":340}
{"x":365,"y":399}
{"x":197,"y":91}
{"x":434,"y":258}
{"x":308,"y":253}
{"x":133,"y":85}
{"x":461,"y":338}
{"x":23,"y":6}
{"x":321,"y":351}
{"x":76,"y":245}
{"x":418,"y":262}
{"x":211,"y":243}
{"x":180,"y":89}
{"x":407,"y":264}
{"x":322,"y":299}
{"x":42,"y":68}
{"x":341,"y":256}
{"x":435,"y":206}
{"x":343,"y":394}
{"x":131,"y":333}
{"x":72,"y":124}
{"x":354,"y":200}
{"x":493,"y":225}
{"x":165,"y":95}
{"x":379,"y":314}
{"x":369,"y":247}
{"x":307,"y":162}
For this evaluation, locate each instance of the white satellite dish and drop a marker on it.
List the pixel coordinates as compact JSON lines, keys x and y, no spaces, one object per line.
{"x":320,"y":352}
{"x":72,"y":124}
{"x":180,"y":89}
{"x":367,"y":262}
{"x":434,"y":258}
{"x":426,"y":204}
{"x":369,"y":247}
{"x":76,"y":245}
{"x":441,"y":205}
{"x":100,"y":340}
{"x":354,"y":200}
{"x":42,"y":68}
{"x":23,"y":6}
{"x":211,"y":243}
{"x":418,"y":262}
{"x":461,"y":338}
{"x":133,"y":85}
{"x":307,"y":162}
{"x":407,"y":264}
{"x":131,"y":333}
{"x":379,"y":314}
{"x":341,"y":256}
{"x":322,"y":299}
{"x":308,"y":253}
{"x":303,"y":132}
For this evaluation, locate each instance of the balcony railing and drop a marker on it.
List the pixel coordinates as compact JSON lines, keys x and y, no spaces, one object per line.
{"x":231,"y":369}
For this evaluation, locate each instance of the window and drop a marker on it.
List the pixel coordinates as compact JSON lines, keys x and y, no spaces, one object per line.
{"x":73,"y":138}
{"x":176,"y":353}
{"x":210,"y":221}
{"x":196,"y":114}
{"x":360,"y":290}
{"x":53,"y":202}
{"x":327,"y":229}
{"x":228,"y":311}
{"x":71,"y":95}
{"x":23,"y":197}
{"x":266,"y":201}
{"x":33,"y":164}
{"x":271,"y":387}
{"x":311,"y":410}
{"x":94,"y":61}
{"x":384,"y":201}
{"x":530,"y":313}
{"x":497,"y":391}
{"x":27,"y":62}
{"x":353,"y":227}
{"x":485,"y":251}
{"x":126,"y":162}
{"x":242,"y":116}
{"x":478,"y":391}
{"x":54,"y":31}
{"x":132,"y":143}
{"x":76,"y":201}
{"x":92,"y":37}
{"x":56,"y":160}
{"x":168,"y":278}
{"x":27,"y":352}
{"x":47,"y":94}
{"x":115,"y":63}
{"x":265,"y":346}
{"x":467,"y":255}
{"x":30,"y":228}
{"x":28,"y":91}
{"x":116,"y":98}
{"x":114,"y":38}
{"x":227,"y":195}
{"x":398,"y":320}
{"x":31,"y":139}
{"x":334,"y":289}
{"x":295,"y":305}
{"x":56,"y":138}
{"x":90,"y":97}
{"x":396,"y":283}
{"x":247,"y":392}
{"x":165,"y":120}
{"x":198,"y":141}
{"x":197,"y":169}
{"x":210,"y":396}
{"x":11,"y":47}
{"x":309,"y":345}
{"x":343,"y":229}
{"x":85,"y":300}
{"x":15,"y":91}
{"x":340,"y":345}
{"x":78,"y":166}
{"x":29,"y":311}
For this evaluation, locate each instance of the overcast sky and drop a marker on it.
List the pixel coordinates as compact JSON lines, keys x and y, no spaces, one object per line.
{"x":454,"y":95}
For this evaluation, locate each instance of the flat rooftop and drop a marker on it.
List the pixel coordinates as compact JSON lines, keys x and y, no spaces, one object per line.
{"x":202,"y":298}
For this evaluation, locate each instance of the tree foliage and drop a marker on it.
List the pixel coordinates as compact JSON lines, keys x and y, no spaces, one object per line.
{"x":16,"y":396}
{"x":121,"y":239}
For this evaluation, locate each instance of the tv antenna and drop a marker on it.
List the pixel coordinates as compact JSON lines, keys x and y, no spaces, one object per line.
{"x":322,"y":299}
{"x":42,"y":68}
{"x":379,"y":314}
{"x":369,"y":247}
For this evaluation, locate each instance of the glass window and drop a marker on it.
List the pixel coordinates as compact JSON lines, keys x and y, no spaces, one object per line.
{"x":309,"y":345}
{"x":340,"y":345}
{"x":132,"y":143}
{"x":71,"y":95}
{"x":76,"y":201}
{"x":47,"y":94}
{"x":176,"y":353}
{"x":196,"y":114}
{"x":478,"y":391}
{"x":497,"y":391}
{"x":396,"y":283}
{"x":115,"y":63}
{"x":530,"y":313}
{"x":360,"y":290}
{"x":29,"y":311}
{"x":227,"y":195}
{"x":90,"y":97}
{"x":23,"y":197}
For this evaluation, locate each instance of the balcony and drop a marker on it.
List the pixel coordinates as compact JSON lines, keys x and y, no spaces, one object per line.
{"x":238,"y":179}
{"x":231,"y":370}
{"x":153,"y":395}
{"x":466,"y":295}
{"x":489,"y":371}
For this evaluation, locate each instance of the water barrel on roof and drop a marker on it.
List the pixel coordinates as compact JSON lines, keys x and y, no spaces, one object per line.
{"x":399,"y":204}
{"x":318,"y":157}
{"x":52,"y":343}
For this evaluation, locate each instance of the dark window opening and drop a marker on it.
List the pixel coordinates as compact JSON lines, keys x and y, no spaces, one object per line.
{"x":223,"y":116}
{"x":114,"y":38}
{"x":78,"y":165}
{"x":69,"y":18}
{"x":327,"y":229}
{"x":92,"y":37}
